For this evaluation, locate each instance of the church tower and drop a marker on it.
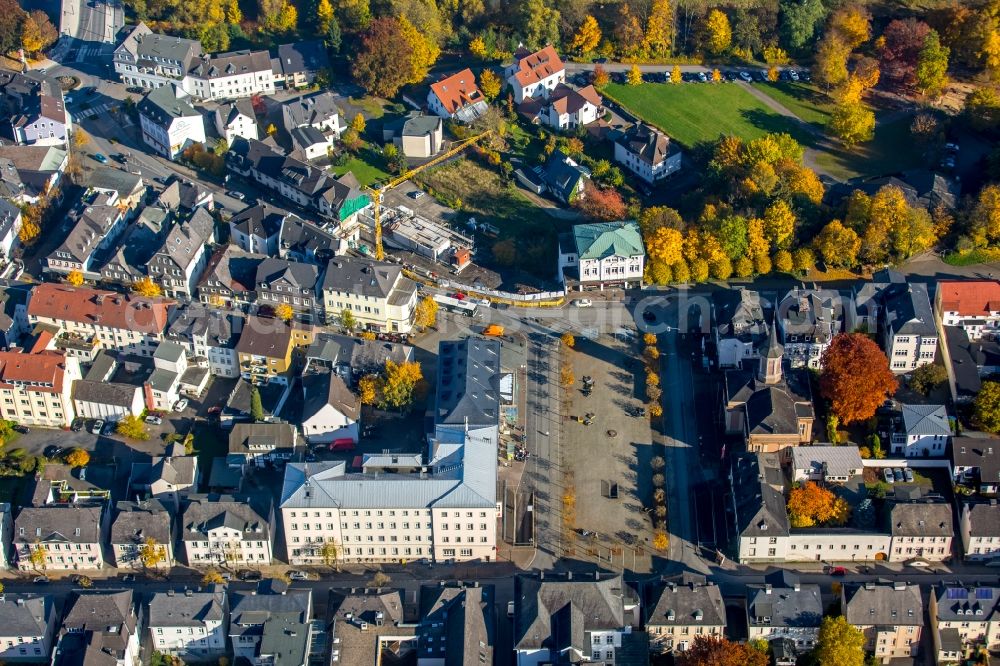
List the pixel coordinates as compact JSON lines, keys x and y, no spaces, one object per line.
{"x":769,"y":371}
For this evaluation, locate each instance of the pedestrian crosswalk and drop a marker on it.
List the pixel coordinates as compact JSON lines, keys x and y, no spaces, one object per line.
{"x":92,"y":111}
{"x":88,"y":52}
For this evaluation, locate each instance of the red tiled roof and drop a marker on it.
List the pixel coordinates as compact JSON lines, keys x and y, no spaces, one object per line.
{"x":970,"y":298}
{"x":537,"y":66}
{"x":46,"y":367}
{"x":567,"y":100}
{"x":99,"y":308}
{"x":457,"y":91}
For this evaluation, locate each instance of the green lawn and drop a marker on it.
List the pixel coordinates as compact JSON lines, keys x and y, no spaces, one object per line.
{"x":694,"y":113}
{"x":368,"y":167}
{"x":806,"y":101}
{"x":892,"y":150}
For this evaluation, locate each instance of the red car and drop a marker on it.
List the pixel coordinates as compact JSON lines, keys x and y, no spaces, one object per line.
{"x":342,"y":444}
{"x":836,"y":571}
{"x":458,"y":296}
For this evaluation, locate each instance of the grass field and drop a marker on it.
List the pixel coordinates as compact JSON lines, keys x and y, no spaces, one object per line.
{"x":367,"y":168}
{"x":892,"y":150}
{"x":695,"y":113}
{"x":805,"y":101}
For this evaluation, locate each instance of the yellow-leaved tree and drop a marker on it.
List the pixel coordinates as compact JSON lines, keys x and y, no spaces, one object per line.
{"x":675,"y":74}
{"x":399,"y":383}
{"x":489,"y":84}
{"x":368,"y":389}
{"x":718,"y":32}
{"x":425,"y":314}
{"x":74,"y":278}
{"x":132,"y":427}
{"x":151,"y":553}
{"x":424,"y":51}
{"x":78,"y":458}
{"x":284,"y":312}
{"x":588,"y":37}
{"x":146,"y":287}
{"x":324,"y":16}
{"x":634,"y":75}
{"x":658,"y":37}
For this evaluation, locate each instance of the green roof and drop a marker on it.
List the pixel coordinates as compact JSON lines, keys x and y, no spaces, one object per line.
{"x":605,"y":239}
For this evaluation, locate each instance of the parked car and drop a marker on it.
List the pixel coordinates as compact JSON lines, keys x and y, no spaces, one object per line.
{"x":128,"y":578}
{"x":181,"y":405}
{"x":887,"y":475}
{"x":100,"y":158}
{"x":805,"y":75}
{"x":236,"y":195}
{"x":897,"y":474}
{"x":793,"y":75}
{"x":510,"y":608}
{"x":153,"y":419}
{"x":96,"y":426}
{"x":583,"y":303}
{"x":53,"y":451}
{"x":731,"y":76}
{"x":951,"y":147}
{"x":760,"y":75}
{"x":908,"y":474}
{"x":835,"y":571}
{"x":416,"y":194}
{"x":41,"y":580}
{"x":298,"y":575}
{"x":24,"y":430}
{"x":746,"y":76}
{"x":250,"y":576}
{"x":702,"y":78}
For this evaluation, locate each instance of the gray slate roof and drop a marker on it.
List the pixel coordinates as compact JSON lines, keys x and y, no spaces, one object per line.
{"x":58,"y":523}
{"x":984,"y":520}
{"x":957,"y":603}
{"x":784,"y":606}
{"x":262,"y":219}
{"x":163,"y":106}
{"x":739,"y":314}
{"x":280,"y":435}
{"x":760,"y":505}
{"x":203,"y":515}
{"x":304,"y":56}
{"x":234,"y":63}
{"x":458,"y":623}
{"x":364,"y":277}
{"x":908,"y":311}
{"x":468,"y":389}
{"x":137,"y":521}
{"x":186,"y":608}
{"x":104,"y":393}
{"x":926,"y":420}
{"x":327,"y":388}
{"x":310,"y":110}
{"x":559,"y":614}
{"x":883,"y":605}
{"x":96,"y":610}
{"x":830,"y":460}
{"x":690,"y":605}
{"x":25,"y":614}
{"x":299,"y":275}
{"x":306,"y":239}
{"x":921,"y":519}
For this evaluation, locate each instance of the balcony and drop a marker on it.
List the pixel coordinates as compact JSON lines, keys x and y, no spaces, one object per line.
{"x":76,"y":342}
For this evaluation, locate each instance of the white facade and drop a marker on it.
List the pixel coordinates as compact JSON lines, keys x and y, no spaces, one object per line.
{"x":980,"y":536}
{"x":908,"y":352}
{"x":26,"y":646}
{"x":612,"y":268}
{"x":645,"y":169}
{"x":227,"y":546}
{"x":585,"y":115}
{"x":328,"y":424}
{"x":40,"y":401}
{"x":193,"y":638}
{"x":90,"y":409}
{"x":231,"y":86}
{"x":820,"y":546}
{"x":170,"y":140}
{"x":238,"y":124}
{"x":393,"y":314}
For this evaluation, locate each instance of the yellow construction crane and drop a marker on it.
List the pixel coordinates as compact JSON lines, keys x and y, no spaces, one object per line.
{"x":377,"y":193}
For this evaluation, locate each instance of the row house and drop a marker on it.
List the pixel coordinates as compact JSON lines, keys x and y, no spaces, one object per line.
{"x":263,"y":444}
{"x":230,"y":75}
{"x":166,"y":479}
{"x":307,"y":243}
{"x":99,"y":627}
{"x":648,"y":153}
{"x":891,"y":617}
{"x":678,"y":611}
{"x":188,"y":624}
{"x":921,"y":531}
{"x":265,"y":349}
{"x":168,"y":121}
{"x":376,"y":294}
{"x":272,"y":625}
{"x":36,"y":387}
{"x":227,"y":531}
{"x":908,"y":330}
{"x":281,"y":282}
{"x":739,"y":327}
{"x":964,"y":621}
{"x":178,"y":264}
{"x":975,"y":462}
{"x":229,"y":278}
{"x":979,"y":525}
{"x":122,"y":322}
{"x":603,"y":254}
{"x":785,"y":613}
{"x":256,"y":229}
{"x":10,"y":224}
{"x":209,"y":337}
{"x":29,"y":173}
{"x":142,"y":536}
{"x":337,"y":200}
{"x":27,"y":627}
{"x":973,"y":305}
{"x":98,"y":222}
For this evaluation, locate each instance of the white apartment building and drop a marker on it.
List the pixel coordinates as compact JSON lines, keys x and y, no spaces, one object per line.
{"x":100,"y":626}
{"x":230,"y":75}
{"x":37,"y":388}
{"x":226,"y":532}
{"x":890,"y":616}
{"x":69,"y":536}
{"x":534,"y":75}
{"x":974,"y":305}
{"x":648,"y":153}
{"x":603,"y":254}
{"x":377,"y":294}
{"x":807,"y":320}
{"x":679,"y":611}
{"x":457,"y":97}
{"x":909,"y":331}
{"x":27,"y":627}
{"x":169,"y":123}
{"x":187,"y":624}
{"x":149,"y":60}
{"x":236,"y":119}
{"x":923,"y":431}
{"x":138,"y":525}
{"x":980,"y":530}
{"x":123,"y":322}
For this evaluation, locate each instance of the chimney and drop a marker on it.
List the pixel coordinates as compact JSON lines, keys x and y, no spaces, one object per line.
{"x":797,"y":586}
{"x":569,"y":575}
{"x":767,"y":588}
{"x":898,"y":585}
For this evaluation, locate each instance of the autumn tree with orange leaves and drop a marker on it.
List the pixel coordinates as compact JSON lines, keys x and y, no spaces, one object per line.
{"x":717,"y":651}
{"x":856,"y":378}
{"x":810,"y":504}
{"x":602,"y":204}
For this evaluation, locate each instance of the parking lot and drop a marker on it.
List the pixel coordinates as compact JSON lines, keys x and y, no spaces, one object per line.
{"x":615,"y":449}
